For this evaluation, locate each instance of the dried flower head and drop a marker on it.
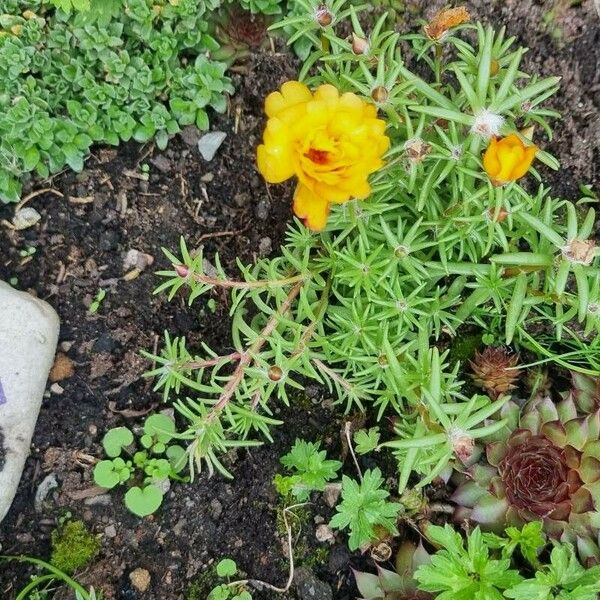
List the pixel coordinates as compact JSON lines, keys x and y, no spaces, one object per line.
{"x":487,"y":124}
{"x":444,"y":20}
{"x":581,"y":252}
{"x":416,"y":149}
{"x":494,"y":370}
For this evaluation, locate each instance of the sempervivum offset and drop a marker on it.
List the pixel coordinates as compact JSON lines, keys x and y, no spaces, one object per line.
{"x":545,"y":467}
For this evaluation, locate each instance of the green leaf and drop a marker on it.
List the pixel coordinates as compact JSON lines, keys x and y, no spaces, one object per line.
{"x":311,"y":466}
{"x":115,"y":440}
{"x":143,"y":501}
{"x":160,"y":427}
{"x":226,"y":568}
{"x":364,"y":506}
{"x":366,"y":441}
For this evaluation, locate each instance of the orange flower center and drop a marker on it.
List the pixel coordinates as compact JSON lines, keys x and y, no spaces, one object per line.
{"x":319,"y":157}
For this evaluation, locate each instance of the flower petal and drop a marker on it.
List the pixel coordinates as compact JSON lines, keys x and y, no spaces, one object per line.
{"x":292,"y":93}
{"x":491,"y":164}
{"x":310,"y":207}
{"x":521,"y":169}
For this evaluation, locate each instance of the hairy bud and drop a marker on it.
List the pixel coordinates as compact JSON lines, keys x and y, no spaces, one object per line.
{"x":323,"y":16}
{"x":359,"y":45}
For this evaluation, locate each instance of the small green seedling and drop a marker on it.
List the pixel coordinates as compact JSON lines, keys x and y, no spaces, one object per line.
{"x":230,"y":590}
{"x":310,"y":470}
{"x":147,"y":469}
{"x":97,"y":301}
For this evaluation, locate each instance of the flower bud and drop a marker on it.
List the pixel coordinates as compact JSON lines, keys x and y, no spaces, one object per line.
{"x":181,"y":270}
{"x":380,"y":94}
{"x":507,"y":159}
{"x":494,"y":67}
{"x":275,"y":373}
{"x":359,"y":45}
{"x":29,"y":14}
{"x":498,"y":217}
{"x":323,"y":16}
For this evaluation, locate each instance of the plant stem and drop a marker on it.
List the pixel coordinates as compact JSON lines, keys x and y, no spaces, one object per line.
{"x":247,"y":356}
{"x":310,"y":329}
{"x":347,"y":428}
{"x":343,"y":382}
{"x":211,"y":362}
{"x":245,"y":285}
{"x":263,"y":584}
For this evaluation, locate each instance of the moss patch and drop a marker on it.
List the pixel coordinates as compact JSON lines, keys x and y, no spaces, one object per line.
{"x":73,"y":546}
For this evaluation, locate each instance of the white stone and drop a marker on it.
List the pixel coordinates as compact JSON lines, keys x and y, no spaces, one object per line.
{"x":28,"y":338}
{"x":209,"y":143}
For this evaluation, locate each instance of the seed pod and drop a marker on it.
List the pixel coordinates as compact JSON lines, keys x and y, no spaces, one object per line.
{"x":275,"y":373}
{"x":381,"y":552}
{"x":323,"y":16}
{"x":359,"y":45}
{"x":380,"y":94}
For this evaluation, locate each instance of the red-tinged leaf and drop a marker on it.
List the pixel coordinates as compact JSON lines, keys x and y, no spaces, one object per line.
{"x":490,"y":511}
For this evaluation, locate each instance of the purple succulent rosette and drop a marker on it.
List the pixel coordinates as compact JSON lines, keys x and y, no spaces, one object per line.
{"x":544,"y":465}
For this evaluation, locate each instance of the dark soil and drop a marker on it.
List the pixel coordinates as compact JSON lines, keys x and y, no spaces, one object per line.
{"x":224,"y":206}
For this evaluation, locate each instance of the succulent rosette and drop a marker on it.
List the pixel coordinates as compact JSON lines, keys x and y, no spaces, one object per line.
{"x":398,"y":584}
{"x":544,"y":465}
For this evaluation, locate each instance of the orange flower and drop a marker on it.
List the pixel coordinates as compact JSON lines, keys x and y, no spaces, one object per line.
{"x":507,"y":159}
{"x":330,"y":142}
{"x":445,"y":20}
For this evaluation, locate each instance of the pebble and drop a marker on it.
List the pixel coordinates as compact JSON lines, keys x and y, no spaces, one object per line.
{"x":262,"y":209}
{"x":26,"y":217}
{"x":162,"y":163}
{"x":216,"y":509}
{"x":63,"y":368}
{"x":101,"y":500}
{"x":48,"y":484}
{"x":57,"y":389}
{"x":110,"y":531}
{"x":140,"y":580}
{"x":265,"y":246}
{"x":309,"y":587}
{"x":324,"y":533}
{"x":331,"y":494}
{"x":191,"y":135}
{"x":209,"y":143}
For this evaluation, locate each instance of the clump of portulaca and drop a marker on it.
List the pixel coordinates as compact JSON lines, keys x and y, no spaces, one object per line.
{"x":544,"y":465}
